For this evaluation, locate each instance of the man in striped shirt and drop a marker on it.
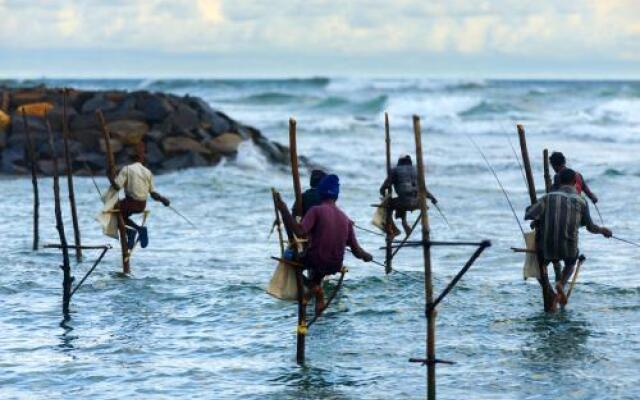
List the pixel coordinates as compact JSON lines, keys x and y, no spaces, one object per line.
{"x":561,"y":213}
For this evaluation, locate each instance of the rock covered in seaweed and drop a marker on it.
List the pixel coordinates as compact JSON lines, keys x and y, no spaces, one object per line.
{"x":179,"y":132}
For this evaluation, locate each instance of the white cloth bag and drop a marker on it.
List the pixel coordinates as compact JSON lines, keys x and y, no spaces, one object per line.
{"x":108,"y":219}
{"x":531,"y":268}
{"x":283,"y":283}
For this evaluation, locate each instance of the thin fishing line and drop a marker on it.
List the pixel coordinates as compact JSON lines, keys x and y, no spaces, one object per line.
{"x":498,"y":180}
{"x":599,"y":215}
{"x":368,"y":230}
{"x":625,"y":241}
{"x":515,"y":153}
{"x":442,"y":215}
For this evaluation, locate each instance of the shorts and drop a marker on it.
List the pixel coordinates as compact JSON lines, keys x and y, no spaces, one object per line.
{"x":130,"y":206}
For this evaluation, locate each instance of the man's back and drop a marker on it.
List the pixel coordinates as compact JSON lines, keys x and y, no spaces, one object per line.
{"x":330,"y":231}
{"x":562,"y":212}
{"x":136,"y":180}
{"x":405,"y":181}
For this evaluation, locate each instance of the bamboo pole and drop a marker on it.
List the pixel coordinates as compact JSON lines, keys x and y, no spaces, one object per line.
{"x":548,"y":294}
{"x":388,"y":255}
{"x":547,"y":175}
{"x":72,"y":196}
{"x":426,"y":252}
{"x":111,"y":173}
{"x":295,"y":173}
{"x":34,"y":181}
{"x":66,"y":267}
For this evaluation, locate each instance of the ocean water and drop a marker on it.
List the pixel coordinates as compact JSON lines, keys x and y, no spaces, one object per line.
{"x":193,"y":319}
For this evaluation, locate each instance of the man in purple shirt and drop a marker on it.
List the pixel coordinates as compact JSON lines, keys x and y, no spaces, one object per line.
{"x":329,"y":231}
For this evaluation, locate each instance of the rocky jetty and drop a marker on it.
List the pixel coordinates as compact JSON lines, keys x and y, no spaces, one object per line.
{"x":179,"y":132}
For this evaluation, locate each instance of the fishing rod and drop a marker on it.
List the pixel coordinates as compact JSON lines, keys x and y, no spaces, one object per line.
{"x":625,"y":241}
{"x":442,"y":215}
{"x":515,"y":153}
{"x":93,"y":178}
{"x":599,"y":215}
{"x":493,"y":171}
{"x":384,"y":266}
{"x":182,"y":216}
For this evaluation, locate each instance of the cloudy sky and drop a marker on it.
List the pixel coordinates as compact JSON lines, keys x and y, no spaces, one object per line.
{"x":265,"y":38}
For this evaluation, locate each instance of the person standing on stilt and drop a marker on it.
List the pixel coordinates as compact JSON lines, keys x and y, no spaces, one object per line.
{"x":329,"y":232}
{"x":404,"y":179}
{"x":561,"y":213}
{"x":137,"y":182}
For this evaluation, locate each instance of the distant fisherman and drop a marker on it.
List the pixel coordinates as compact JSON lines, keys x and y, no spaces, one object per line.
{"x":311,"y":196}
{"x":404,"y":178}
{"x":559,"y":163}
{"x":137,"y":182}
{"x":562,"y":212}
{"x":329,"y":232}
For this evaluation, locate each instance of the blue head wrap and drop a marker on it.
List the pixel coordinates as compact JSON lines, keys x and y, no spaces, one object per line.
{"x":329,"y":187}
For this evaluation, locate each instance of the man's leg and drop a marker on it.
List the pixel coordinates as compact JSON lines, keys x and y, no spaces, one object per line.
{"x":569,"y":265}
{"x":315,"y":288}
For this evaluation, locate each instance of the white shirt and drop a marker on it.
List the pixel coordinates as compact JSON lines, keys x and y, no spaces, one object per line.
{"x":136,"y":180}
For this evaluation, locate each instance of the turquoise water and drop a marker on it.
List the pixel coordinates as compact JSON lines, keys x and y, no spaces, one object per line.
{"x":193,"y":320}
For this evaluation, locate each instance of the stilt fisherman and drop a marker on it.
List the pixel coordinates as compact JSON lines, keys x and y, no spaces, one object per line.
{"x":404,"y":179}
{"x":329,"y":232}
{"x":561,"y":213}
{"x":137,"y":182}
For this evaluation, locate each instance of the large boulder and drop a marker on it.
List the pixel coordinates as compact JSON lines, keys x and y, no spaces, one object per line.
{"x":176,"y":144}
{"x":155,"y":108}
{"x":127,"y":131}
{"x":98,"y":102}
{"x":226,"y":143}
{"x":116,"y":145}
{"x":184,"y":119}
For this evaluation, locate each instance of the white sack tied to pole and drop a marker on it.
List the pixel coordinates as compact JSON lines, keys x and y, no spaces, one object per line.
{"x":531,"y":268}
{"x":380,"y":215}
{"x":108,"y":219}
{"x":283,"y":283}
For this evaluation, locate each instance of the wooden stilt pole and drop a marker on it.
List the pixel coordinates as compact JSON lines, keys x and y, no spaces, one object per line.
{"x":111,"y":172}
{"x":388,"y":255}
{"x":548,"y":294}
{"x":426,"y":252}
{"x":66,"y":266}
{"x":72,"y":196}
{"x":547,"y":175}
{"x":31,"y":153}
{"x":295,"y":173}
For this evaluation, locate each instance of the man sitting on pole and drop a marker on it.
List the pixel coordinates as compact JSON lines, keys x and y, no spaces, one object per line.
{"x":561,"y":213}
{"x":404,"y":179}
{"x":137,"y":182}
{"x":329,"y":232}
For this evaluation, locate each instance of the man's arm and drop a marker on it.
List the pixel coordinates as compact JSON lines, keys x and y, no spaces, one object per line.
{"x":535,"y":211}
{"x":385,"y":186}
{"x":158,"y":197}
{"x":287,"y":218}
{"x":357,"y":251}
{"x":432,"y":197}
{"x":587,"y":190}
{"x":591,"y":227}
